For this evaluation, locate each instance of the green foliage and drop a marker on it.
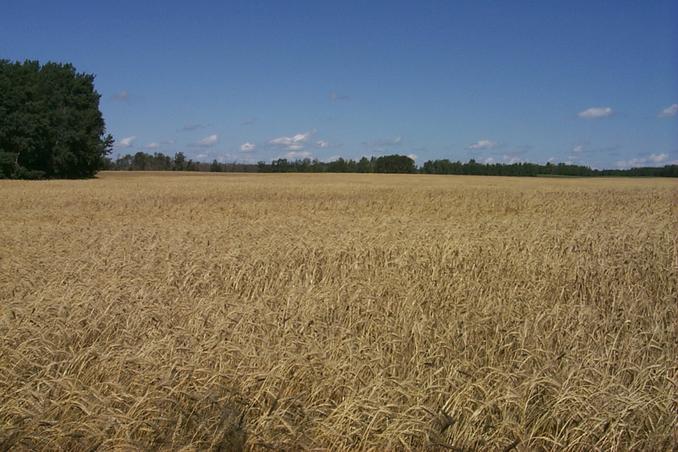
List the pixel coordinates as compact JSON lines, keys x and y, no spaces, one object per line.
{"x":394,"y":164}
{"x":179,"y":161}
{"x":161,"y":162}
{"x":534,"y":169}
{"x":50,"y":121}
{"x":8,"y":165}
{"x":215,"y":167}
{"x":385,"y":164}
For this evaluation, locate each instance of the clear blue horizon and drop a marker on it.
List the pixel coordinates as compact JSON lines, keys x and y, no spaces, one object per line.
{"x":593,"y":83}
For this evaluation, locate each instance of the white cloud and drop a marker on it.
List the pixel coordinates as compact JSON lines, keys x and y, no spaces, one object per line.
{"x":412,"y":156}
{"x":657,"y":158}
{"x":126,"y":142}
{"x":333,"y":158}
{"x":595,"y":113}
{"x":649,"y":160}
{"x":208,"y":141}
{"x":578,"y":149}
{"x":121,"y":96}
{"x":322,"y":144}
{"x":488,"y":160}
{"x":293,"y":143}
{"x":153,"y":145}
{"x":201,"y":156}
{"x":298,"y":155}
{"x":482,"y":144}
{"x":247,"y":147}
{"x":671,"y":110}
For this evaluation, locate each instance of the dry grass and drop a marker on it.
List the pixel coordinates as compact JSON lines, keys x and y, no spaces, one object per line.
{"x":162,"y":311}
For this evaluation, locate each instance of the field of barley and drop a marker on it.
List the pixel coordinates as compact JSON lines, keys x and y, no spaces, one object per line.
{"x":161,"y":311}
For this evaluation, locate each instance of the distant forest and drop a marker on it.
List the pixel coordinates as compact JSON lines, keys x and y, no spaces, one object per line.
{"x":142,"y":161}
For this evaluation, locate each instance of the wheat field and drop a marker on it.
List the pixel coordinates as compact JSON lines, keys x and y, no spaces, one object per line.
{"x":161,"y":311}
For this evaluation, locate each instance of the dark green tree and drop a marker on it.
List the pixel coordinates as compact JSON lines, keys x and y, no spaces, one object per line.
{"x":50,"y":122}
{"x":394,"y":164}
{"x":140,"y":161}
{"x":179,"y":161}
{"x":215,"y":167}
{"x":364,"y":166}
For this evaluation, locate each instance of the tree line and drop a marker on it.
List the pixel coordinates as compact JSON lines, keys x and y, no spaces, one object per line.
{"x":158,"y":161}
{"x":384,"y":164}
{"x":142,"y":161}
{"x":535,"y":169}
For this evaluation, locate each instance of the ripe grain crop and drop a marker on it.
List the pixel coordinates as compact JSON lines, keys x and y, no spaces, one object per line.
{"x":164,"y":311}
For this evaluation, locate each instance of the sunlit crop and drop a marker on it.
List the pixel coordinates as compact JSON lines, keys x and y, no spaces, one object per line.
{"x":165,"y":311}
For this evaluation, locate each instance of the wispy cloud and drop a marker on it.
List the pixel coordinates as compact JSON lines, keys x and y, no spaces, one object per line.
{"x":648,"y":160}
{"x":247,"y":147}
{"x":671,"y":110}
{"x":208,"y":141}
{"x":126,"y":142}
{"x":248,"y":122}
{"x":596,"y":113}
{"x":505,"y":158}
{"x":586,"y":148}
{"x":152,"y":145}
{"x":384,"y":142}
{"x":293,"y":143}
{"x":576,"y":153}
{"x":334,"y":97}
{"x":322,"y":144}
{"x":482,"y":145}
{"x":658,"y":158}
{"x":298,"y":155}
{"x":121,"y":96}
{"x":223,"y":158}
{"x":191,"y":126}
{"x":511,"y":158}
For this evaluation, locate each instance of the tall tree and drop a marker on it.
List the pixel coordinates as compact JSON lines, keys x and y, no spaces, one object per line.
{"x":179,"y":161}
{"x":50,"y":122}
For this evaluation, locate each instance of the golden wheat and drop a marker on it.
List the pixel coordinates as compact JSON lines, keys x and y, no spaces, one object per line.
{"x":361,"y":312}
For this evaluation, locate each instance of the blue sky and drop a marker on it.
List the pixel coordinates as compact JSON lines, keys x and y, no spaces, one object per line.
{"x":589,"y":82}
